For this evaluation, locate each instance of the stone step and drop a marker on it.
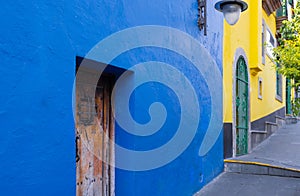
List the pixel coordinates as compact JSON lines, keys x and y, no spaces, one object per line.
{"x":258,"y":136}
{"x":257,"y":168}
{"x":291,"y":120}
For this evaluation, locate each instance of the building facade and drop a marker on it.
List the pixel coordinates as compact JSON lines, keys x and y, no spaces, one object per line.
{"x":62,"y":133}
{"x":254,"y":93}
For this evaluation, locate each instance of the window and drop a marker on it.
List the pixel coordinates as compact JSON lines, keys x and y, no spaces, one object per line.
{"x":263,"y":39}
{"x":270,"y":42}
{"x":260,"y":87}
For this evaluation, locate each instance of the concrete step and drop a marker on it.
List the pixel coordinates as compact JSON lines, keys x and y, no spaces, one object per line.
{"x":258,"y":136}
{"x":258,"y":168}
{"x":280,"y":121}
{"x":291,"y":120}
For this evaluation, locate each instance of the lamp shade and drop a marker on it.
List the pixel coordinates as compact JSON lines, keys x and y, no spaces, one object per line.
{"x":232,"y":13}
{"x":231,"y":10}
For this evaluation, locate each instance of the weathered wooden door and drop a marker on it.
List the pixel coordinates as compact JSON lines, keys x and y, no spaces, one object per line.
{"x":241,"y":107}
{"x":94,"y":129}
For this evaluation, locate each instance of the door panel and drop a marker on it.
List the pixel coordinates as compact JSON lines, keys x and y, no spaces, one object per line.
{"x":241,"y":108}
{"x":94,"y":126}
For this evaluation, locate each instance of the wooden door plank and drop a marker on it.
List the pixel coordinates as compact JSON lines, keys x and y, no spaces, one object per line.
{"x":89,"y":172}
{"x":112,"y":147}
{"x":94,"y":129}
{"x":106,"y":153}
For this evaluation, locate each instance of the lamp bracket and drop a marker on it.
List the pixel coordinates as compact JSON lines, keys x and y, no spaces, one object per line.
{"x":202,"y":16}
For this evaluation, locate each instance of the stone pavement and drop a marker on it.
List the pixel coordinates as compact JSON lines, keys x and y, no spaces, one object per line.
{"x":271,"y":169}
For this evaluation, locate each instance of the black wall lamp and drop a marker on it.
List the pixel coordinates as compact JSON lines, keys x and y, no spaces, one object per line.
{"x":231,"y":10}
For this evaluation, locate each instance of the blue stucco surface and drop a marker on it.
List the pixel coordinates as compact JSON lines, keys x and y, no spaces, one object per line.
{"x":38,"y":46}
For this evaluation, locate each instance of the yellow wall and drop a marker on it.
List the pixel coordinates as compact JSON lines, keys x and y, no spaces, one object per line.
{"x":246,"y":34}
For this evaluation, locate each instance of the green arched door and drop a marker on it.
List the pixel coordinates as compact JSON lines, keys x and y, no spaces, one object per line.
{"x":241,"y":107}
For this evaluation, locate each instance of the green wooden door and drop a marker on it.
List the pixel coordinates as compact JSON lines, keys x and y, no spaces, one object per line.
{"x":288,"y":97}
{"x":241,"y":108}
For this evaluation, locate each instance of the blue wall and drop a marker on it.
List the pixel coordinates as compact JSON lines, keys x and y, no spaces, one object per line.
{"x":38,"y":45}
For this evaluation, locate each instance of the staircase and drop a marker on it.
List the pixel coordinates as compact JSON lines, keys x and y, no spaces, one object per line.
{"x":258,"y":136}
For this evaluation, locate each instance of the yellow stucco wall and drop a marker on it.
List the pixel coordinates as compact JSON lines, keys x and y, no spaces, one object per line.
{"x":247,"y":34}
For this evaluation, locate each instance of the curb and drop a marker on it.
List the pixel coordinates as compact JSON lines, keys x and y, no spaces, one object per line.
{"x":258,"y":168}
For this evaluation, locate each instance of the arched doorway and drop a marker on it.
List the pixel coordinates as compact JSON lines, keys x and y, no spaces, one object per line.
{"x":242,"y":106}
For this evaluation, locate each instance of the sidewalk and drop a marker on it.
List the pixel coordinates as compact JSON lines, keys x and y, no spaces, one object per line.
{"x":271,"y":169}
{"x":281,"y":149}
{"x":234,"y":184}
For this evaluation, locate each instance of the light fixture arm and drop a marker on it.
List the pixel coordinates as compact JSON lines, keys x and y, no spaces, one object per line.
{"x":202,"y":16}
